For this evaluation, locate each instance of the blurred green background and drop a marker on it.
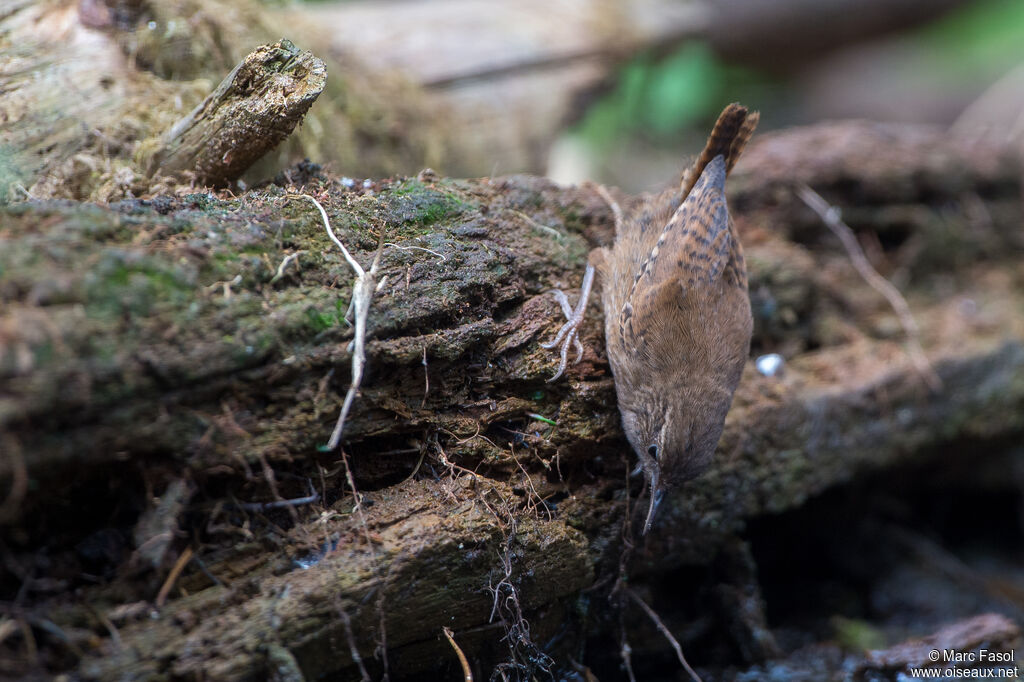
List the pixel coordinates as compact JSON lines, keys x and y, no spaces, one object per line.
{"x":661,"y":105}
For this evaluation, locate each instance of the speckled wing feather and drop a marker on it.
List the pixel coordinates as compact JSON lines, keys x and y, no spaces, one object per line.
{"x":665,"y":259}
{"x":693,"y":250}
{"x":695,"y":244}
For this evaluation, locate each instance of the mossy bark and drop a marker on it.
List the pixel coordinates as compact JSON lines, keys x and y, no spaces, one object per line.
{"x":153,"y":341}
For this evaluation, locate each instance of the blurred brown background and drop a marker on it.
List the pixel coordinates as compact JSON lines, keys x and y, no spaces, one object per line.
{"x":620,"y":91}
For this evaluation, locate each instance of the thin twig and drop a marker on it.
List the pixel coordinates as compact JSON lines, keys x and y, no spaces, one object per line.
{"x":8,"y":626}
{"x":831,"y":217}
{"x":287,"y":261}
{"x":330,"y":232}
{"x":628,"y":544}
{"x":417,"y":248}
{"x":271,"y":479}
{"x":172,"y":577}
{"x":423,"y":454}
{"x":115,"y":635}
{"x":559,"y":237}
{"x":664,"y":630}
{"x":31,"y":648}
{"x":382,"y":642}
{"x":426,"y":378}
{"x":603,"y":192}
{"x":466,"y":672}
{"x":445,"y":462}
{"x":626,"y":651}
{"x":56,"y":631}
{"x":529,"y":481}
{"x":352,"y":648}
{"x":278,"y":504}
{"x":362,"y":293}
{"x":227,"y":284}
{"x":206,"y":571}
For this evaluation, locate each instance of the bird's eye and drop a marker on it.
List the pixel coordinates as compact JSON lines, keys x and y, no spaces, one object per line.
{"x":652,"y":450}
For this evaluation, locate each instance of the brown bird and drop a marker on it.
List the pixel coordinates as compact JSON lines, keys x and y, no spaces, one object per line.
{"x":677,"y":314}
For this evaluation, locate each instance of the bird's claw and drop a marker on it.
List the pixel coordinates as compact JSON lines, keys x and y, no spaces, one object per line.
{"x":568,"y":335}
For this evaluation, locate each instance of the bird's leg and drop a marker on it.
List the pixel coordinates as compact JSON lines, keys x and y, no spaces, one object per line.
{"x":568,"y":335}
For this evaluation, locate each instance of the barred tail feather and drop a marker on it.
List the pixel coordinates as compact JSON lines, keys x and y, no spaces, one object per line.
{"x":730,"y":135}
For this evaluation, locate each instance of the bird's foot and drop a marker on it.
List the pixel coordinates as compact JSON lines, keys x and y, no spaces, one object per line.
{"x":568,"y":335}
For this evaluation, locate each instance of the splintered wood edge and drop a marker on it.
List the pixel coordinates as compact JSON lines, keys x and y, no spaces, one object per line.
{"x":252,"y":111}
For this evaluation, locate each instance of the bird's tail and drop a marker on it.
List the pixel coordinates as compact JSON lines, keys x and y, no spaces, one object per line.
{"x":730,"y":135}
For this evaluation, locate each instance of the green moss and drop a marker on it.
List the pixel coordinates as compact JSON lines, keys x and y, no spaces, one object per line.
{"x":414,"y":202}
{"x":319,"y":320}
{"x":857,"y":635}
{"x":433,"y":213}
{"x":204,"y":201}
{"x":119,"y":284}
{"x":408,"y":187}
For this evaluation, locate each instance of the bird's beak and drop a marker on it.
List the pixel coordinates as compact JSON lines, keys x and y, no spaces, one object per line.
{"x":654,"y":479}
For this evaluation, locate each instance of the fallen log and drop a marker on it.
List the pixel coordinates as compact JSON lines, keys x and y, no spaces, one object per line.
{"x":197,"y":347}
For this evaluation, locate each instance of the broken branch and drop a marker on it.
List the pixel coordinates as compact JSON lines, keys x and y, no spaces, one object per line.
{"x":255,"y":108}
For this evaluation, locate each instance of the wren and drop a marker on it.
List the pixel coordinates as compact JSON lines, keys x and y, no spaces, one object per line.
{"x":677,"y":314}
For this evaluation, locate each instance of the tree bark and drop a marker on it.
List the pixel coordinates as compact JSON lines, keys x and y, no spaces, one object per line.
{"x":204,"y":339}
{"x":252,"y":111}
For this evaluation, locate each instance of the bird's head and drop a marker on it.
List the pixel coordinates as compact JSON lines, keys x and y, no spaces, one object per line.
{"x":674,"y":433}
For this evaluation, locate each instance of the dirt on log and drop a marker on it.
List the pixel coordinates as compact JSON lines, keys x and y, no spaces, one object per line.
{"x":171,"y":368}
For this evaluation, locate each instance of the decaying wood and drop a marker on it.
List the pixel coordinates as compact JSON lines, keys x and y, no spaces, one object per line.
{"x":90,"y":89}
{"x":958,"y":646}
{"x":252,"y":111}
{"x":164,"y":337}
